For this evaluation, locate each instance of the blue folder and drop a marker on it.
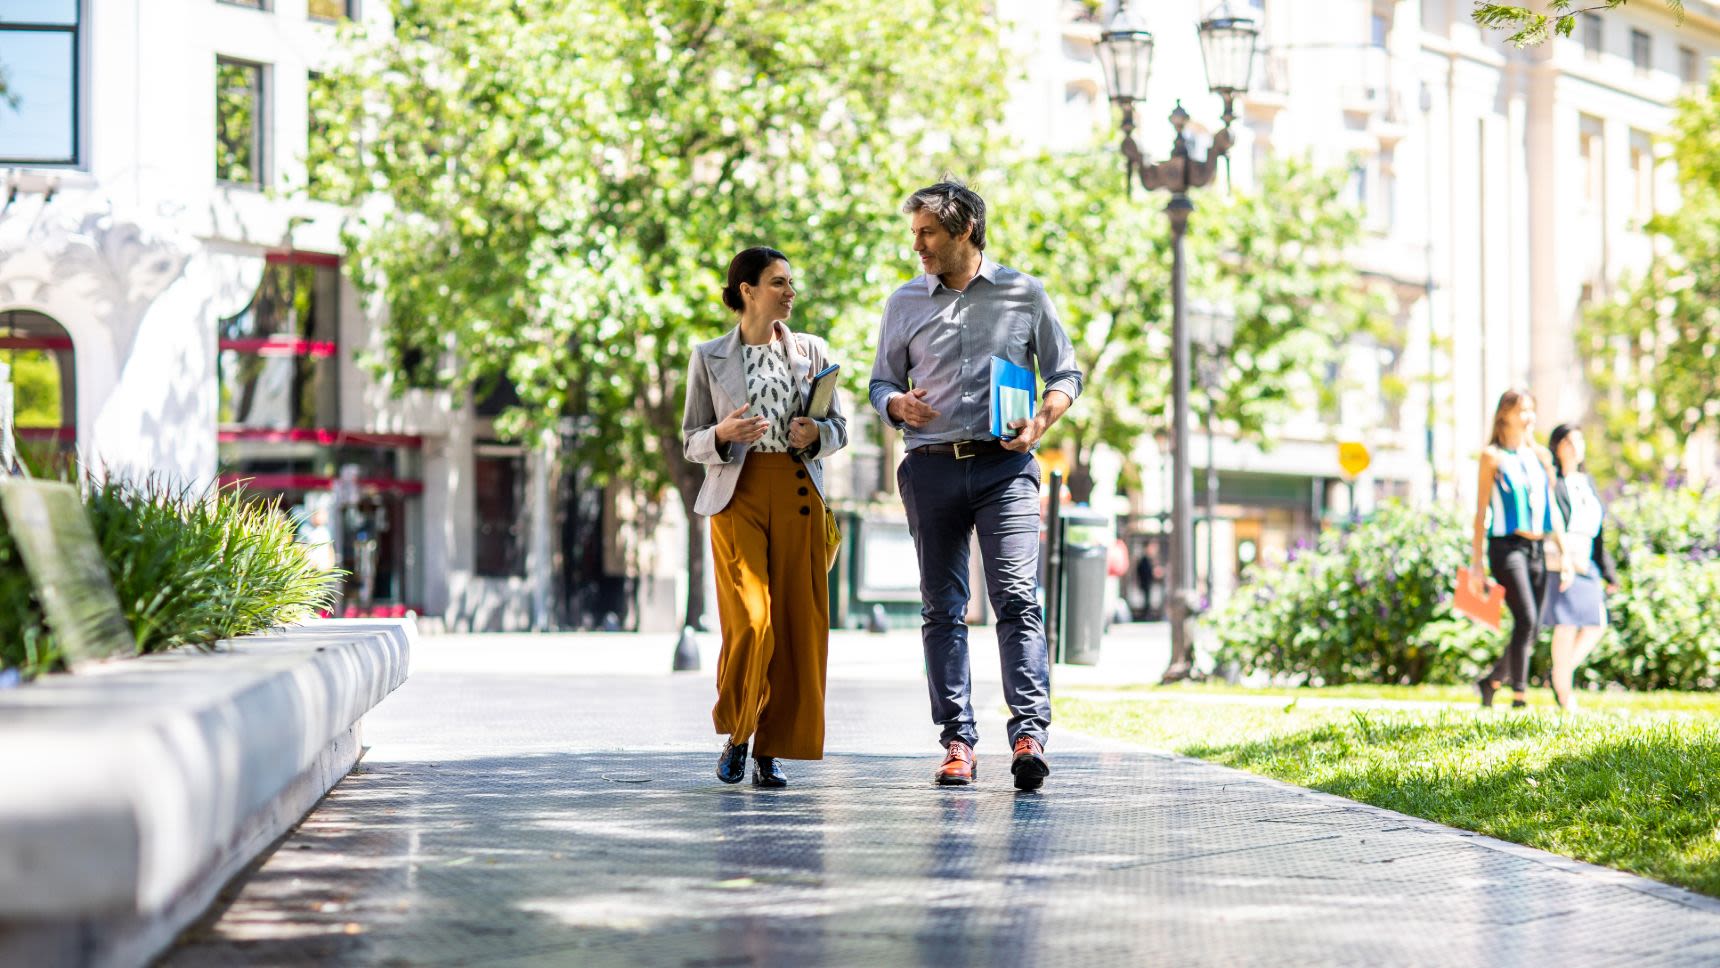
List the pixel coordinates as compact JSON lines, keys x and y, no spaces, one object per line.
{"x":1014,"y":394}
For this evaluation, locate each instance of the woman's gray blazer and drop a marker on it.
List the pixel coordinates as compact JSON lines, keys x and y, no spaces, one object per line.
{"x":717,"y":386}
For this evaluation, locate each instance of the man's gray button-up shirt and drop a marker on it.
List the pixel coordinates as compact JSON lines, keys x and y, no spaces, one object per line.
{"x":943,"y":340}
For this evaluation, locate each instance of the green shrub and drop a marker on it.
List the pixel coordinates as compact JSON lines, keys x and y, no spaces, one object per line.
{"x":1370,"y":603}
{"x":187,"y":569}
{"x":1646,"y":519}
{"x":1664,"y":634}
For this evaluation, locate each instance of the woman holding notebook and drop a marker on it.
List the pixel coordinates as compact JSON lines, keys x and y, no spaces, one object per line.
{"x":764,"y":491}
{"x":1515,"y":512}
{"x":1577,"y":613}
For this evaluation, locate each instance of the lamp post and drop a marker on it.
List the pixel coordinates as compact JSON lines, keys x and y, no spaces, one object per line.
{"x":1125,"y":54}
{"x":1213,"y":329}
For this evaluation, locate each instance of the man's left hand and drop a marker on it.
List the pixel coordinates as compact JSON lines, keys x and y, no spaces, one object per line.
{"x":1027,"y":433}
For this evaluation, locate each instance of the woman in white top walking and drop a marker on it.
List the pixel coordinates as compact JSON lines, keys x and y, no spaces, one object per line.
{"x":1577,"y":613}
{"x":746,"y":391}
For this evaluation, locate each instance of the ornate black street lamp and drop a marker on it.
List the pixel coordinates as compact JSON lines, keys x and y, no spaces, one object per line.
{"x":1126,"y":55}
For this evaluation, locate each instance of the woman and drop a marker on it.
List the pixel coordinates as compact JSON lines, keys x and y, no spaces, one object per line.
{"x":1514,"y":513}
{"x":744,"y":390}
{"x":1578,"y":613}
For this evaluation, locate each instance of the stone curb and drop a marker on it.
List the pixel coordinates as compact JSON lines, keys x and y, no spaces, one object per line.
{"x":133,"y":793}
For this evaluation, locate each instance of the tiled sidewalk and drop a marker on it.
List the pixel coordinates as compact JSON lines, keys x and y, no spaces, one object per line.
{"x":507,"y":818}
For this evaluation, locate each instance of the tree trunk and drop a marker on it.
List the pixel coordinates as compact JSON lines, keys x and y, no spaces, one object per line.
{"x":697,"y":530}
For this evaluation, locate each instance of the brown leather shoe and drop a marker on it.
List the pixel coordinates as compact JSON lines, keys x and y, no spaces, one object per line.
{"x":1029,"y":765}
{"x":959,"y":767}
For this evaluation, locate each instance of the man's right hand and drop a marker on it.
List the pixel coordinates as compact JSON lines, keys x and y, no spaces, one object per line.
{"x":910,"y":408}
{"x":737,"y":428}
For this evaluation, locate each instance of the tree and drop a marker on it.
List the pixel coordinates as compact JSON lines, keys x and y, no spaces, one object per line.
{"x":1531,"y":27}
{"x":1276,"y":255}
{"x":562,"y":186}
{"x":1653,"y":352}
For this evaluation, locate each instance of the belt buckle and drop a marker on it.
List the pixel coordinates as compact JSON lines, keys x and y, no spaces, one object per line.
{"x":957,"y":449}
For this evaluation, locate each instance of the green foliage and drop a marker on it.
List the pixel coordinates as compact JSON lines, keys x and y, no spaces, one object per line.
{"x":1531,"y":27}
{"x":1647,"y":519}
{"x":1370,"y":603}
{"x":1663,"y":634}
{"x":1653,"y":352}
{"x":1276,"y":254}
{"x":1105,"y":259}
{"x":187,"y":569}
{"x":1638,"y":791}
{"x":556,"y":188}
{"x":1663,"y":631}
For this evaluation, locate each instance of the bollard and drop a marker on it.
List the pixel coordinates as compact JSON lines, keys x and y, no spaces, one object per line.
{"x":687,"y":651}
{"x":880,"y":621}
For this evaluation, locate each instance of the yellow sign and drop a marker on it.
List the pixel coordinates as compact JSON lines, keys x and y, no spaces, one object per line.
{"x":1353,"y":458}
{"x":1052,"y":460}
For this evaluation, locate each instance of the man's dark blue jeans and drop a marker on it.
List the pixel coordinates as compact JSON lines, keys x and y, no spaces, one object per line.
{"x":947,"y":500}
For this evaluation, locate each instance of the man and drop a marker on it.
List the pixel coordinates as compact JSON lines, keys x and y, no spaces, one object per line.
{"x":932,"y":379}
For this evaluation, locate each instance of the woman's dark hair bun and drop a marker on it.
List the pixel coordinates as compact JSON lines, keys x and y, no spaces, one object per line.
{"x":747,"y":267}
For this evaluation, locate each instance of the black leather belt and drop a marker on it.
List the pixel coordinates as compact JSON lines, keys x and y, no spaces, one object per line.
{"x":961,"y":449}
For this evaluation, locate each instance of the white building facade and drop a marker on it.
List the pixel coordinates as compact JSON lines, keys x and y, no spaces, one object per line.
{"x":172,"y":281}
{"x":1502,"y":189}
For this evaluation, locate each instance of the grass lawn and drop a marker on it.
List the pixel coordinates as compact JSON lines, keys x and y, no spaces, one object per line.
{"x":1633,"y":782}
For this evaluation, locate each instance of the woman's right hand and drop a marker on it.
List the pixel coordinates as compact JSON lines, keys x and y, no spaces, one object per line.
{"x":1477,"y":581}
{"x":737,"y":428}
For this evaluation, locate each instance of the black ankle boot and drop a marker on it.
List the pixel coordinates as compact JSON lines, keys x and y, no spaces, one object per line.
{"x":766,"y":773}
{"x":732,"y":764}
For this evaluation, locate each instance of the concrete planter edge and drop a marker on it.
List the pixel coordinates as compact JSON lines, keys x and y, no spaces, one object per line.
{"x":131,"y":794}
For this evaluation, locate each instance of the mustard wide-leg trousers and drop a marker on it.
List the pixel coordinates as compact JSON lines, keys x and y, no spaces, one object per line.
{"x":773,"y":599}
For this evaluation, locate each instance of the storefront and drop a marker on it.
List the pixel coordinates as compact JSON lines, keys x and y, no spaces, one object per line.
{"x":281,"y":436}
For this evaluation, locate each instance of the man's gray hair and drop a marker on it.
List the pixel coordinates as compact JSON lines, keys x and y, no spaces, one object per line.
{"x":954,"y":205}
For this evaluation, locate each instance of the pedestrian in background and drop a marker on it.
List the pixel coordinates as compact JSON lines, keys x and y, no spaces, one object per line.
{"x":1577,"y":613}
{"x":745,"y":391}
{"x":932,"y":379}
{"x":1514,"y":514}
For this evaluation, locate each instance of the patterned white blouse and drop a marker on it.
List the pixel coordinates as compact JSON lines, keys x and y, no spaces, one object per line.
{"x":770,"y":391}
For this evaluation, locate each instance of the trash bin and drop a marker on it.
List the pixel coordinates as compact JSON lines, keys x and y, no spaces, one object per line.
{"x":1081,"y":609}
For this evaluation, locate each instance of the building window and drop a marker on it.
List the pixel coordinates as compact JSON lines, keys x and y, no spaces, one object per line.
{"x":1642,"y":175}
{"x":331,"y":9}
{"x":249,"y":4}
{"x":1358,"y":186}
{"x":238,"y":123}
{"x":279,"y":361}
{"x":1592,"y":154}
{"x":1379,"y":28}
{"x":498,"y":482}
{"x":1592,"y":35}
{"x":39,"y":70}
{"x":1384,"y":212}
{"x":1689,"y":66}
{"x":1641,"y":51}
{"x":37,"y":352}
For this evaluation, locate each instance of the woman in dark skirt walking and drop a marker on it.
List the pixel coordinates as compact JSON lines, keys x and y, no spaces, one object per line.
{"x":1577,"y":613}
